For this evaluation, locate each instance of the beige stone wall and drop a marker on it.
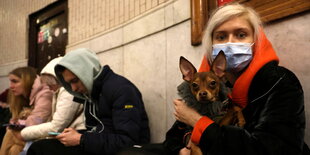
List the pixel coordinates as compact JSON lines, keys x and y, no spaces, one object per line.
{"x":88,"y":19}
{"x":14,"y":33}
{"x":146,"y":50}
{"x":13,"y":28}
{"x":145,"y":44}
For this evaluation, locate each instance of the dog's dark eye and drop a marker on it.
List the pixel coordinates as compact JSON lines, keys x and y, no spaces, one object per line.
{"x":213,"y":83}
{"x":195,"y":85}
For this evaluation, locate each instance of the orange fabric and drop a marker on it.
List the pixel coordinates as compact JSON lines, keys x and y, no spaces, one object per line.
{"x":200,"y":126}
{"x":263,"y":53}
{"x":204,"y":66}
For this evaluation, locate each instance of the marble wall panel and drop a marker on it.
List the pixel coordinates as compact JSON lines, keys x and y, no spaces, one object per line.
{"x":182,"y":10}
{"x":291,"y":39}
{"x":4,"y":83}
{"x":6,"y":69}
{"x":114,"y":58}
{"x":145,"y":66}
{"x":107,"y":41}
{"x":85,"y":44}
{"x":178,"y":44}
{"x":169,"y":15}
{"x":145,"y":26}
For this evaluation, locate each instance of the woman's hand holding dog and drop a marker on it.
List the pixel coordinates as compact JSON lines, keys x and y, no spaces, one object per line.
{"x":184,"y":113}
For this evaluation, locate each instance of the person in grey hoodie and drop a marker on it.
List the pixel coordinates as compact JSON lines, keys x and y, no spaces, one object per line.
{"x":113,"y":108}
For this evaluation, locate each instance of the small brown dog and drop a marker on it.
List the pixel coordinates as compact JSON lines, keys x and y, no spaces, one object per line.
{"x":24,"y":113}
{"x":206,"y":87}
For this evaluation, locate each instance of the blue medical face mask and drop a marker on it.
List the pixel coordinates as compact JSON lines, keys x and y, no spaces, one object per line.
{"x":238,"y":55}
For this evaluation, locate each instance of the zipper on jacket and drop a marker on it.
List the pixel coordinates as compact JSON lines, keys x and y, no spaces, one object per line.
{"x":269,"y":89}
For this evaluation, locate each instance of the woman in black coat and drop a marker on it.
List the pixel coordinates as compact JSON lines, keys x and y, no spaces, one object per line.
{"x":270,"y":95}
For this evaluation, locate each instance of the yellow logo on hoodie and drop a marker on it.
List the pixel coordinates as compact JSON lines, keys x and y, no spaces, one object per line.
{"x":128,"y":106}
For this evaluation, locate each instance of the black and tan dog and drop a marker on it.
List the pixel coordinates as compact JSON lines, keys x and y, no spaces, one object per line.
{"x":209,"y":91}
{"x":207,"y":94}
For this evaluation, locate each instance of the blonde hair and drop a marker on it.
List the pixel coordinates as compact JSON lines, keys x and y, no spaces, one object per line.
{"x":17,"y":103}
{"x":225,"y":13}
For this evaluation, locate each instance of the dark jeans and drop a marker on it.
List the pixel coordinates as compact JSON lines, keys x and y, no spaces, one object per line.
{"x":53,"y":147}
{"x":2,"y":133}
{"x":145,"y":149}
{"x":5,"y":116}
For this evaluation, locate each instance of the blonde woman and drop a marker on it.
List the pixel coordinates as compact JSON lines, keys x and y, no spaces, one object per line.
{"x":30,"y":103}
{"x":271,"y":96}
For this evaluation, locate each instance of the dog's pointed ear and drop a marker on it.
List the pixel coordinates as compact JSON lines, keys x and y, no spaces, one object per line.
{"x":187,"y":69}
{"x":219,"y":64}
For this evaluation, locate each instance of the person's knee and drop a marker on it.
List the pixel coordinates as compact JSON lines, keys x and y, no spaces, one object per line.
{"x":33,"y":149}
{"x":37,"y":147}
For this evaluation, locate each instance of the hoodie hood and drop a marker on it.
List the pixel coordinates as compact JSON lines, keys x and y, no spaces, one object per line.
{"x":49,"y":68}
{"x":37,"y":89}
{"x":84,"y":64}
{"x":263,"y":53}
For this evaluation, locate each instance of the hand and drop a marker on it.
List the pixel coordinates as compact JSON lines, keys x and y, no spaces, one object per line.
{"x":13,"y":121}
{"x":195,"y":150}
{"x":184,"y":113}
{"x":185,"y":151}
{"x":69,"y":137}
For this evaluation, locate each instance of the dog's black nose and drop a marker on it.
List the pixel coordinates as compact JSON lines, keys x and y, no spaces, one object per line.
{"x":203,"y":94}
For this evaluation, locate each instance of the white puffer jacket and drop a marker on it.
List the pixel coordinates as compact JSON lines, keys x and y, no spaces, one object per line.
{"x":66,"y":113}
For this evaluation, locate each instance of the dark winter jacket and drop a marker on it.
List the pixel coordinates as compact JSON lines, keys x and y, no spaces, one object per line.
{"x":121,"y":111}
{"x":115,"y":113}
{"x":275,"y":119}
